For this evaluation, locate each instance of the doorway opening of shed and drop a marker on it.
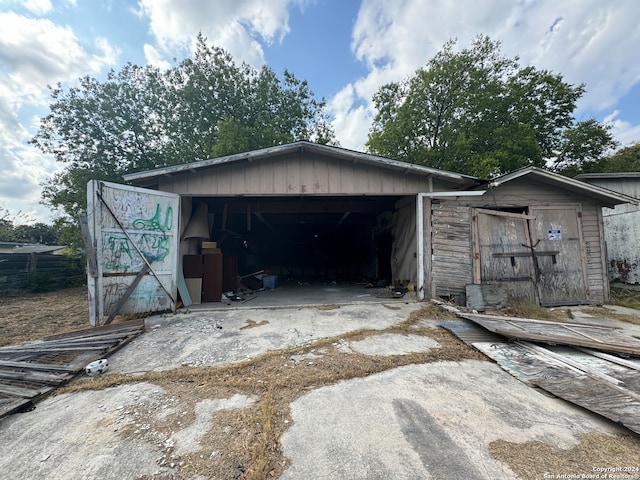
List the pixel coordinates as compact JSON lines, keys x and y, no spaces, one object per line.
{"x":305,"y":238}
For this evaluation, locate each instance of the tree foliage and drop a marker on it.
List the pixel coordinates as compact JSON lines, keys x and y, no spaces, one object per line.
{"x":584,"y":149}
{"x":477,"y":112}
{"x":12,"y":230}
{"x":626,"y":159}
{"x":142,"y":118}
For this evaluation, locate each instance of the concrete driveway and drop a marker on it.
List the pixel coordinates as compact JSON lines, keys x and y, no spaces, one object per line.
{"x":419,"y":421}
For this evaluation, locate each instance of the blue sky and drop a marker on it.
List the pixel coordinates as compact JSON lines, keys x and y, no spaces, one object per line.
{"x":345,"y":49}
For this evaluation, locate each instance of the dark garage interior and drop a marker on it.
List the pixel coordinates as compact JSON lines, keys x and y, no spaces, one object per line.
{"x":305,"y":238}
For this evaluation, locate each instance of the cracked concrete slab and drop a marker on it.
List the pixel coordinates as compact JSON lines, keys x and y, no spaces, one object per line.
{"x":428,"y":421}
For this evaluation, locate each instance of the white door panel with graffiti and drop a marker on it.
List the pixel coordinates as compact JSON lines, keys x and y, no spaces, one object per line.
{"x":135,"y":238}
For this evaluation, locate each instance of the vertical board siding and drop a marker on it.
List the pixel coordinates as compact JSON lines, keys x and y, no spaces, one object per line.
{"x":403,"y":254}
{"x":451,"y":249}
{"x":594,"y":254}
{"x":452,"y":261}
{"x":295,"y":174}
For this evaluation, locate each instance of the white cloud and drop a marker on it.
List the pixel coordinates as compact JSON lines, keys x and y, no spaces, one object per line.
{"x":154,"y":57}
{"x":39,"y":7}
{"x":237,"y":26}
{"x":625,"y":132}
{"x":587,"y":41}
{"x":352,"y":122}
{"x":34,"y":53}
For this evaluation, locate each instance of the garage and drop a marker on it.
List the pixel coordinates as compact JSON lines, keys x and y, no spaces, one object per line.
{"x":303,"y":211}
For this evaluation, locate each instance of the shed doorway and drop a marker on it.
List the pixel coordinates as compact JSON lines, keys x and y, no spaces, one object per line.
{"x":533,"y":254}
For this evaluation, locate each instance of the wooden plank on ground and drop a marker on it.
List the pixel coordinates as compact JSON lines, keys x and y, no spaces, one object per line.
{"x":598,"y":337}
{"x":42,"y":367}
{"x":31,"y":371}
{"x":131,"y":325}
{"x":16,"y":391}
{"x":601,"y":383}
{"x":33,"y":376}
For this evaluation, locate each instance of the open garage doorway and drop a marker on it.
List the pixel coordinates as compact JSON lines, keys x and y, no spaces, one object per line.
{"x":303,"y":241}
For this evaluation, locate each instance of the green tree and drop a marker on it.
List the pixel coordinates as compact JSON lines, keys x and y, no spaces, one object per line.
{"x":272,"y":112}
{"x":36,"y":233}
{"x":474,"y":111}
{"x":6,"y":230}
{"x":626,"y":159}
{"x":141,"y":118}
{"x":102,"y":130}
{"x":584,"y":148}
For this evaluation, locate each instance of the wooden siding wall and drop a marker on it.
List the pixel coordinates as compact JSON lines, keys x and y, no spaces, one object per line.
{"x":451,"y":243}
{"x":296,"y":174}
{"x":453,"y":246}
{"x":595,"y":253}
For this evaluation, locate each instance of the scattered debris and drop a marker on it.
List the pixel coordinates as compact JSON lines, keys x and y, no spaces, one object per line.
{"x":232,"y":296}
{"x":97,"y":367}
{"x":253,"y":323}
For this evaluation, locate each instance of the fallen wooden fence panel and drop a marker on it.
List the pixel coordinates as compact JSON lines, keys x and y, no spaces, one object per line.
{"x":31,"y":371}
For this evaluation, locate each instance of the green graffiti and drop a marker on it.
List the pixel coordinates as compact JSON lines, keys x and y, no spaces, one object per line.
{"x":154,"y":223}
{"x":155,"y":248}
{"x":119,"y":254}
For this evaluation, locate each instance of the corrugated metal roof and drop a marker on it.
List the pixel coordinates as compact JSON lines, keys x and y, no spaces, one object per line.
{"x":604,"y":195}
{"x":336,"y":152}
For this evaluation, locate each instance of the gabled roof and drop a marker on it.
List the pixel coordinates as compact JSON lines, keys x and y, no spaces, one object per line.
{"x":604,"y":195}
{"x":150,"y":177}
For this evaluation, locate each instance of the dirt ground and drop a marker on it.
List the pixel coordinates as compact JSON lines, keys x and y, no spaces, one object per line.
{"x":247,"y":442}
{"x":33,"y":316}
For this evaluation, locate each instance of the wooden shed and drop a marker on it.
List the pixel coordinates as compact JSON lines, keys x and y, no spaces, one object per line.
{"x":531,"y":234}
{"x":316,"y":211}
{"x":621,"y":225}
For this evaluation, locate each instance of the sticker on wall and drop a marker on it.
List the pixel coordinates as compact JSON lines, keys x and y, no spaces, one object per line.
{"x":554,"y":234}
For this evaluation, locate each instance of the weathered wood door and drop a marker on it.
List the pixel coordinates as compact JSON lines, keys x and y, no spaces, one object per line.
{"x":556,"y":234}
{"x":134,"y":235}
{"x":502,"y":253}
{"x":537,"y":256}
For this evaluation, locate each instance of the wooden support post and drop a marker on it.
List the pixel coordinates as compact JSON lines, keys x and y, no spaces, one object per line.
{"x":225,"y":211}
{"x":145,"y":269}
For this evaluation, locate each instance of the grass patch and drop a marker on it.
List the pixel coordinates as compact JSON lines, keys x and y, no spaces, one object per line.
{"x":607,"y":313}
{"x":532,"y":460}
{"x":625,"y":297}
{"x":526,"y":309}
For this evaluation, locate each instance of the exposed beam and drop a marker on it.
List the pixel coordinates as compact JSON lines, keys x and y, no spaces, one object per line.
{"x":344,"y":217}
{"x":324,"y":206}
